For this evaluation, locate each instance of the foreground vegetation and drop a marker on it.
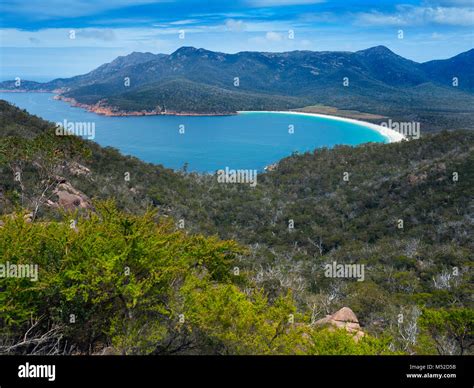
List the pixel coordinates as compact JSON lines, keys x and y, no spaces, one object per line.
{"x":135,"y":285}
{"x":179,"y":263}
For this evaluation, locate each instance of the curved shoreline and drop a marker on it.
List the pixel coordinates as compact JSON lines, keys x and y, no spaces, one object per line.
{"x":391,"y":135}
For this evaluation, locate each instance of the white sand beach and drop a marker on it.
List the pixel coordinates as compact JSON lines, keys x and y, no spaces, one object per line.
{"x":390,"y":134}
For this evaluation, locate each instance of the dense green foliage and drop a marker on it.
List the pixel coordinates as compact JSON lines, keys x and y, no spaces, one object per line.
{"x":181,"y":95}
{"x":137,"y":285}
{"x":449,"y":329}
{"x":417,"y":292}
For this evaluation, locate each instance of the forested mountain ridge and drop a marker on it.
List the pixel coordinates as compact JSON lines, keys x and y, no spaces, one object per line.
{"x":192,"y":80}
{"x":422,"y":270}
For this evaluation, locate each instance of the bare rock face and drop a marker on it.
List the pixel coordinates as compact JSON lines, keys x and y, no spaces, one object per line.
{"x":271,"y":167}
{"x":78,"y":169}
{"x":70,"y":198}
{"x":343,"y":318}
{"x":345,"y":315}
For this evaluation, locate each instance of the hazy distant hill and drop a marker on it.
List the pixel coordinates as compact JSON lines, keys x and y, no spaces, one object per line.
{"x":196,"y":80}
{"x":460,"y":66}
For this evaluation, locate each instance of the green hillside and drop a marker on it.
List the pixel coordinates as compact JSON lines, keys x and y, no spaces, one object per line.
{"x":184,"y":235}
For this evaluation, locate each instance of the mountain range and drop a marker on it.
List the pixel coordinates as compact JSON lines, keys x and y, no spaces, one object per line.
{"x":191,"y":80}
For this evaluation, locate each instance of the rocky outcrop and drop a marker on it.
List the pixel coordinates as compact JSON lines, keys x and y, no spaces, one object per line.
{"x":271,"y":167}
{"x":69,"y":198}
{"x":102,"y":108}
{"x":343,"y":318}
{"x":78,"y":169}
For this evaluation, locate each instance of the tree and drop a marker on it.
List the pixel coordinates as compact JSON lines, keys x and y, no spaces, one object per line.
{"x":447,"y":326}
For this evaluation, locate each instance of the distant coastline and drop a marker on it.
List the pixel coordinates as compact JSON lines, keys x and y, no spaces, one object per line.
{"x":106,"y":110}
{"x":101,"y":109}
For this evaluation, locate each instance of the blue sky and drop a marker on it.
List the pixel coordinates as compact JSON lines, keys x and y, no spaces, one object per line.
{"x":35,"y":36}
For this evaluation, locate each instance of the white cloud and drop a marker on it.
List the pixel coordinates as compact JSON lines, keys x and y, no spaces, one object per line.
{"x":273,"y":36}
{"x":184,"y":22}
{"x":379,"y":19}
{"x":410,"y":15}
{"x":270,"y":37}
{"x":235,"y":25}
{"x":452,"y":16}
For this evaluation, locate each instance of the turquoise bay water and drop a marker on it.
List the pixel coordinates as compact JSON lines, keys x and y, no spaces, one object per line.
{"x":243,"y":141}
